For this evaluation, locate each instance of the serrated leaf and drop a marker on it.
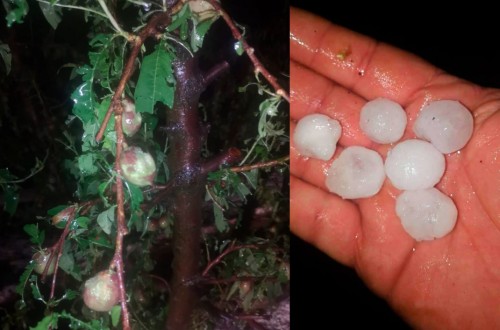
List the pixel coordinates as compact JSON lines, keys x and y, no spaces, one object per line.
{"x":136,"y":197}
{"x":6,"y":57}
{"x":243,"y":190}
{"x":17,"y":12}
{"x":252,"y":177}
{"x":115,"y":315}
{"x":86,"y":163}
{"x":106,"y":219}
{"x":83,"y":102}
{"x":82,"y":222}
{"x":70,"y":294}
{"x":152,"y":86}
{"x":23,"y":280}
{"x":102,"y":109}
{"x":36,"y":292}
{"x":48,"y":322}
{"x":36,"y":236}
{"x":220,"y":221}
{"x":52,"y":14}
{"x":11,"y":199}
{"x":198,"y":33}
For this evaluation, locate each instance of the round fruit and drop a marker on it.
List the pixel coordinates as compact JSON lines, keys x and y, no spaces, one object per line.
{"x":131,"y":120}
{"x":41,"y":258}
{"x":102,"y":292}
{"x":138,"y":167}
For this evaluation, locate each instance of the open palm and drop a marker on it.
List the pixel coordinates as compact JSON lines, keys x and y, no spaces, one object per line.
{"x":452,"y":282}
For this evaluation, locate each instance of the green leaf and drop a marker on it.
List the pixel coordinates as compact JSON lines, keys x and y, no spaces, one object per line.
{"x":16,"y":13}
{"x":243,"y":190}
{"x":36,"y":236}
{"x":52,"y":14}
{"x":36,"y":292}
{"x":11,"y":199}
{"x":23,"y":280}
{"x":153,"y":86}
{"x":48,"y":322}
{"x":82,"y":222}
{"x":102,"y":109}
{"x":6,"y":57}
{"x":86,"y":163}
{"x":136,"y":196}
{"x":199,"y":33}
{"x":220,"y":221}
{"x":252,"y":177}
{"x":88,"y":138}
{"x":67,"y":262}
{"x":106,"y":219}
{"x":115,"y":315}
{"x":83,"y":102}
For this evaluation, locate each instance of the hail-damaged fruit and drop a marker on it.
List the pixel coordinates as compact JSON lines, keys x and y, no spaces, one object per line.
{"x":202,"y":10}
{"x":41,"y":258}
{"x":131,"y":120}
{"x":63,"y":215}
{"x":138,"y":167}
{"x":102,"y":291}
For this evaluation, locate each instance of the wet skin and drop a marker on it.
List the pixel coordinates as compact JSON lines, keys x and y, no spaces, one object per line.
{"x":453,"y":282}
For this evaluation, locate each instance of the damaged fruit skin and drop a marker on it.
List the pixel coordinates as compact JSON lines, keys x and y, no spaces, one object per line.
{"x":131,"y":120}
{"x":102,"y":291}
{"x":41,"y":258}
{"x":138,"y":167}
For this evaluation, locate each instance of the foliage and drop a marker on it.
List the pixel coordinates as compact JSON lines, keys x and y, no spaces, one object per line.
{"x":88,"y":237}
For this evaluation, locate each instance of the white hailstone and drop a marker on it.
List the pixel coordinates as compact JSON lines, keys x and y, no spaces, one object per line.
{"x":414,"y":165}
{"x":383,"y":120}
{"x":357,"y":173}
{"x":426,"y":214}
{"x":447,"y":124}
{"x":316,"y":136}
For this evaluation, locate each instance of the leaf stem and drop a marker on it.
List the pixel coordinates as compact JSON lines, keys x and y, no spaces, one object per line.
{"x":73,"y":7}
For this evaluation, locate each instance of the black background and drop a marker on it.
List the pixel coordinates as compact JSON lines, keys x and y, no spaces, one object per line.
{"x":463,"y":41}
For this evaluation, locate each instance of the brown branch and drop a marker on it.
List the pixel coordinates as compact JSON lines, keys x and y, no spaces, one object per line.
{"x":58,"y":248}
{"x":259,"y":67}
{"x":154,"y":26}
{"x":230,"y":249}
{"x":270,"y":163}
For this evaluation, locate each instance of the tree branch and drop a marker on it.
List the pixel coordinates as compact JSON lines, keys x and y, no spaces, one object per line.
{"x":250,"y":52}
{"x":270,"y":163}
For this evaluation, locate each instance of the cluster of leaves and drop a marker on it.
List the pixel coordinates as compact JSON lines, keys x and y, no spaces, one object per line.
{"x":90,"y":243}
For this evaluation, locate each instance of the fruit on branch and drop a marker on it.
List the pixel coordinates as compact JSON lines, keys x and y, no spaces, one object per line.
{"x":63,"y":215}
{"x":138,"y":167}
{"x":202,"y":10}
{"x":131,"y":120}
{"x":41,"y":258}
{"x":102,"y":291}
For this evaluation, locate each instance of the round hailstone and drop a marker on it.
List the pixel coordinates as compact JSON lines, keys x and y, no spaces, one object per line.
{"x":426,"y":214}
{"x":357,"y":173}
{"x":414,"y":164}
{"x":448,"y":125}
{"x":317,"y":136}
{"x":383,"y":120}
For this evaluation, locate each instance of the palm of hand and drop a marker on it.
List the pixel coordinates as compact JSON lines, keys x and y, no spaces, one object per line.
{"x":451,"y":282}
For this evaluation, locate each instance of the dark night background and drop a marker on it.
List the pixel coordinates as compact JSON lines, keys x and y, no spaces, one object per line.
{"x":463,"y":41}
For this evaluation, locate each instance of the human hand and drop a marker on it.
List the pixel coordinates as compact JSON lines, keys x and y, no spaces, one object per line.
{"x":452,"y":282}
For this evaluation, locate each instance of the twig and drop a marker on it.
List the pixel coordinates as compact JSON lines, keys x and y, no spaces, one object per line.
{"x":74,"y":7}
{"x":270,"y":163}
{"x":58,"y":248}
{"x":111,"y":18}
{"x":230,"y":249}
{"x":154,"y":25}
{"x":250,"y":51}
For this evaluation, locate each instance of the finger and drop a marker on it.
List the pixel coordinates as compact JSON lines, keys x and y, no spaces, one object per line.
{"x":356,"y":62}
{"x":311,"y":93}
{"x":324,"y":220}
